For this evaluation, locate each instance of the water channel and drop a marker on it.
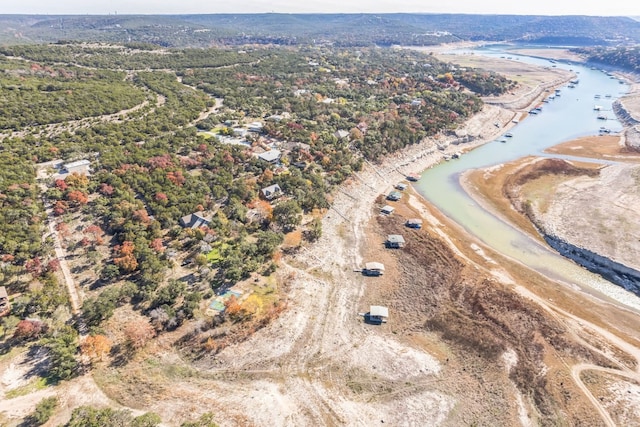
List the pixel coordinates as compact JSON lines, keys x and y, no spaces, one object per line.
{"x":568,"y":116}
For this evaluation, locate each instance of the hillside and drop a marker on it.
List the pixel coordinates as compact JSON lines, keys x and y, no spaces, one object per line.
{"x":335,"y":29}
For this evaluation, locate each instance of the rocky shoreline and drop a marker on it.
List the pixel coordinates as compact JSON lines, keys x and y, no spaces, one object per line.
{"x":615,"y":272}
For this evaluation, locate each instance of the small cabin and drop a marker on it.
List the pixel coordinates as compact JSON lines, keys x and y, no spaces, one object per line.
{"x":394,"y":241}
{"x":373,"y":269}
{"x":377,"y":314}
{"x":387,"y":210}
{"x":414,"y":223}
{"x":401,"y":186}
{"x":394,"y":196}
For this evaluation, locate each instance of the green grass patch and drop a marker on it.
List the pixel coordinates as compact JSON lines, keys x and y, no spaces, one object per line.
{"x":37,"y":383}
{"x":214,"y":256}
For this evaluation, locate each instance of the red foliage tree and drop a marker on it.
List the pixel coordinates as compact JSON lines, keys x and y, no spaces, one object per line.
{"x":61,"y":184}
{"x":141,"y":215}
{"x":29,"y":328}
{"x":34,"y":266}
{"x":95,"y":232}
{"x":161,"y":198}
{"x":156,"y":245}
{"x":53,"y":265}
{"x":60,"y":208}
{"x":176,"y":177}
{"x":105,"y":189}
{"x":77,"y":197}
{"x":160,"y":162}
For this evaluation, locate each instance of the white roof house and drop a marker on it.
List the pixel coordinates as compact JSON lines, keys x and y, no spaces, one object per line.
{"x":255,"y":127}
{"x":271,"y":192}
{"x":271,"y":156}
{"x":341,"y":134}
{"x":79,"y":166}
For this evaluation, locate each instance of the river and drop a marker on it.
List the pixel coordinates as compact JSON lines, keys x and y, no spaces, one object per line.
{"x":568,"y":116}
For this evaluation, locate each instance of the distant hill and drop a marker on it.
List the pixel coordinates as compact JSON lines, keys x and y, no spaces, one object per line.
{"x":337,"y":29}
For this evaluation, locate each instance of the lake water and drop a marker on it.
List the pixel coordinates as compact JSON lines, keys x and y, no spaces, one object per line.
{"x":568,"y":116}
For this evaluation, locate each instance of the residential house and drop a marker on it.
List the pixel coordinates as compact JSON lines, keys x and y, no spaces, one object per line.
{"x":240,"y":132}
{"x":195,"y":220}
{"x":79,"y":166}
{"x":341,"y":134}
{"x":271,"y":156}
{"x":271,"y":192}
{"x":255,"y":127}
{"x":4,"y":301}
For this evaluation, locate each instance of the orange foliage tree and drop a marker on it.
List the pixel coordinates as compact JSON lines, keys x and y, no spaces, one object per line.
{"x":77,"y":180}
{"x":96,"y":346}
{"x":78,"y":197}
{"x":124,"y":257}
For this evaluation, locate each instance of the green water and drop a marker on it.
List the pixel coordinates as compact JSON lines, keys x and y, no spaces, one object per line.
{"x":568,"y":116}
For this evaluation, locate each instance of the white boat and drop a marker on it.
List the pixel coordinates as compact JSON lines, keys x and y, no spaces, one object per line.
{"x":597,"y":107}
{"x":508,"y":135}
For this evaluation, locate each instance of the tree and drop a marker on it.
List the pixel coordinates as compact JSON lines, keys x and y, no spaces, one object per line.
{"x":156,"y":245}
{"x":314,"y":230}
{"x":29,"y":328}
{"x":62,"y":352}
{"x":87,"y":416}
{"x":77,"y":197}
{"x":96,"y":346}
{"x":287,"y":214}
{"x":138,"y":333}
{"x":96,"y":232}
{"x":77,"y":181}
{"x":150,"y":419}
{"x":124,"y":257}
{"x":205,"y":420}
{"x":234,"y":309}
{"x":44,"y":410}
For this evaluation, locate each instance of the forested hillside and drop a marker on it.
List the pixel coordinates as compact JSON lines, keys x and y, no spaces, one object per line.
{"x":201,"y":167}
{"x":623,"y":58}
{"x":313,"y":29}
